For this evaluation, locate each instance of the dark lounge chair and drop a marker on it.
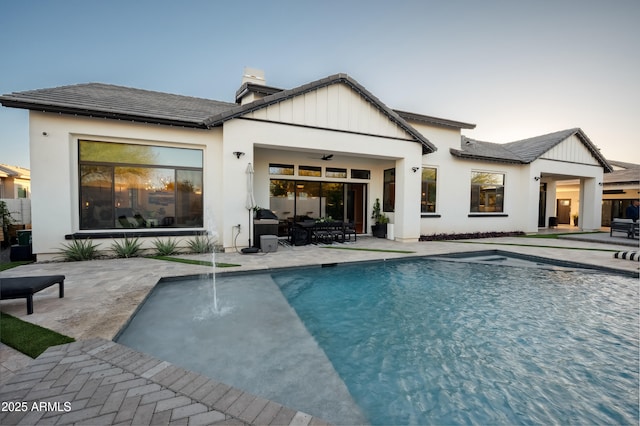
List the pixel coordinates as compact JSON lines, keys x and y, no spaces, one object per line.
{"x":17,"y":288}
{"x":626,"y":226}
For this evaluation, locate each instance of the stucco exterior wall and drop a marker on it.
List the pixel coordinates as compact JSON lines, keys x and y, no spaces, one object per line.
{"x":453,"y":194}
{"x":265,"y":142}
{"x":590,"y":190}
{"x":54,"y":168}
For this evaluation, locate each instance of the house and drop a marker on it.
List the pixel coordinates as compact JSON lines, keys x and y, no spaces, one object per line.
{"x":136,"y":162}
{"x":15,"y":192}
{"x":15,"y":182}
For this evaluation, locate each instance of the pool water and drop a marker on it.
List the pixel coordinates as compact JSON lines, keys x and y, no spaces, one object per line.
{"x":437,"y":342}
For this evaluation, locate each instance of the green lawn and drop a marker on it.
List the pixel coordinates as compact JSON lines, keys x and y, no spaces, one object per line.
{"x":30,"y":339}
{"x":9,"y":265}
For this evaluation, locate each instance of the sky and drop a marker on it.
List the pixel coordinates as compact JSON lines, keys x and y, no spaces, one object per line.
{"x":516,"y":69}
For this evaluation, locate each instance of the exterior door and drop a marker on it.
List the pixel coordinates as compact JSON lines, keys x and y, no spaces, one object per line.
{"x":356,"y":205}
{"x":564,"y":211}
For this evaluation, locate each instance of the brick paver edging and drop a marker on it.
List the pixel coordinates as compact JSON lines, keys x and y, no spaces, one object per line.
{"x":100,"y":382}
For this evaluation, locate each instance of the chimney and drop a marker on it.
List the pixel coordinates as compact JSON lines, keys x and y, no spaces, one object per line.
{"x":253,"y":76}
{"x":254,"y":87}
{"x":251,"y":89}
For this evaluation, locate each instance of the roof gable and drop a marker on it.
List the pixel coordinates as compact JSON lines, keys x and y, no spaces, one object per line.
{"x":335,"y":107}
{"x":526,"y":151}
{"x":315,"y":86}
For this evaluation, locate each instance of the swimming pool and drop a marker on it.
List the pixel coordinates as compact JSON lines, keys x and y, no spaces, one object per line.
{"x":433,"y":342}
{"x":412,"y":341}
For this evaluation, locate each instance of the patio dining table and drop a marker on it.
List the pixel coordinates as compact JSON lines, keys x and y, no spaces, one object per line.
{"x":302,"y":233}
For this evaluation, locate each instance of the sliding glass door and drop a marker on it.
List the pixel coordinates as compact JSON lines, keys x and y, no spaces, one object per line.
{"x":298,"y":200}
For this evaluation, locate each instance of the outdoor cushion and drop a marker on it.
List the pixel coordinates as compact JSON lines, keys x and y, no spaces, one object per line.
{"x":19,"y":287}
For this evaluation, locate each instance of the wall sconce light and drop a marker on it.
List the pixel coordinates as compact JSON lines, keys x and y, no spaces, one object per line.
{"x":415,"y":169}
{"x":238,"y":154}
{"x":536,"y":178}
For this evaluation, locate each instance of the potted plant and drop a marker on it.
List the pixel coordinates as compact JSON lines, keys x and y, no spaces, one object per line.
{"x":379,"y":228}
{"x":575,"y":220}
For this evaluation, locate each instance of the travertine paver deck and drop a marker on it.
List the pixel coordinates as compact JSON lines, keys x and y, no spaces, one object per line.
{"x":97,"y":381}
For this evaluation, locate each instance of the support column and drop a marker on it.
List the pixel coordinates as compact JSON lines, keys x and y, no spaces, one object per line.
{"x":552,"y":202}
{"x":407,"y":208}
{"x":590,"y":210}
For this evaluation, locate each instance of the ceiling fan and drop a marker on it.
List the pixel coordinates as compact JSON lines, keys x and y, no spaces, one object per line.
{"x":325,"y":157}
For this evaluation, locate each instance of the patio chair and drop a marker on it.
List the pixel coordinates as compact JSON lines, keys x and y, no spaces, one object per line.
{"x":321,"y":234}
{"x":349,"y":230}
{"x":336,"y":229}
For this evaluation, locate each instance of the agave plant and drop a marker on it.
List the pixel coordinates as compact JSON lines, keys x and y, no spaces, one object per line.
{"x":128,"y":247}
{"x":201,"y":244}
{"x":79,"y":250}
{"x":165,"y":247}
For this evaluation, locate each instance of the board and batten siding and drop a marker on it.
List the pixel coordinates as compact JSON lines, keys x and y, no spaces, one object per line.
{"x":332,"y":107}
{"x":571,"y":150}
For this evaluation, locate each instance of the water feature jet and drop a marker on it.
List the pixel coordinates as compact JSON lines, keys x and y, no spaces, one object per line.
{"x":211,"y":238}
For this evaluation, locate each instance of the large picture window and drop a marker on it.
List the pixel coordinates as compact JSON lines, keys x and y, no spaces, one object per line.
{"x":429,"y":180}
{"x":487,"y":192}
{"x":139,"y":186}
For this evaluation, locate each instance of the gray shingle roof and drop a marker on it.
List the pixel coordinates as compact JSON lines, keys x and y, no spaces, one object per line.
{"x":623,"y":176}
{"x":531,"y":149}
{"x":524,"y":151}
{"x":109,"y":101}
{"x":624,"y":164}
{"x":118,"y":102}
{"x":435,"y":120}
{"x":479,"y":150}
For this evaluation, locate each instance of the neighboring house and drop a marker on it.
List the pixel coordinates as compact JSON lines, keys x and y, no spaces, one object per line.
{"x":15,"y":192}
{"x":15,"y":182}
{"x":137,"y":162}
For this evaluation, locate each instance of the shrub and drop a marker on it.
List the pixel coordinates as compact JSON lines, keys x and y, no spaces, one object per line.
{"x":469,"y":236}
{"x":128,"y":248}
{"x":79,"y":250}
{"x":165,"y":247}
{"x":201,"y":244}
